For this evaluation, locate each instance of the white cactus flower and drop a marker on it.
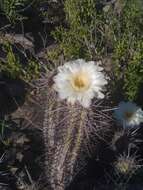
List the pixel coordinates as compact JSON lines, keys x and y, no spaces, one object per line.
{"x":128,"y":114}
{"x":79,"y":81}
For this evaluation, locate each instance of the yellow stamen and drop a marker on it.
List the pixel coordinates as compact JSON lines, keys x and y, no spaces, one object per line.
{"x":80,"y":82}
{"x":123,"y":166}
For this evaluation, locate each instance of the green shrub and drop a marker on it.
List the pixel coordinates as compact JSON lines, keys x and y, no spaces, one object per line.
{"x":12,"y":66}
{"x":10,"y":8}
{"x":79,"y":39}
{"x":134,"y":74}
{"x":14,"y":69}
{"x":128,"y":49}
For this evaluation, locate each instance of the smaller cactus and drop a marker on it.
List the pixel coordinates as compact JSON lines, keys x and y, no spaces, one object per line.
{"x":126,"y":166}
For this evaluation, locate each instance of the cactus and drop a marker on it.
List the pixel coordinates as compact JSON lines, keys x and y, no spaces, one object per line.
{"x":126,"y":167}
{"x":67,"y":128}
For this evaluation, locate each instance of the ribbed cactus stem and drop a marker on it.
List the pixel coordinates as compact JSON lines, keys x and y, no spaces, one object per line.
{"x":63,"y":131}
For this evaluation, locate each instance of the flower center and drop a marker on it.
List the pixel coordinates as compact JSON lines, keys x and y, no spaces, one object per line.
{"x":80,"y":82}
{"x":128,"y":115}
{"x":124,"y":166}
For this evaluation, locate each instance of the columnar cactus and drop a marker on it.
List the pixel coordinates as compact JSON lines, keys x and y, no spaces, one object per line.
{"x":70,"y":118}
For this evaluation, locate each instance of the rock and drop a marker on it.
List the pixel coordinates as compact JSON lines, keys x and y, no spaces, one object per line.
{"x":20,"y":39}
